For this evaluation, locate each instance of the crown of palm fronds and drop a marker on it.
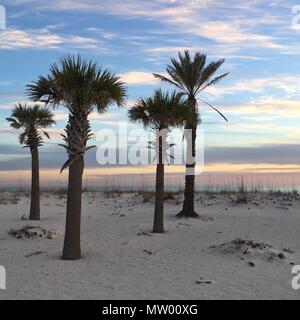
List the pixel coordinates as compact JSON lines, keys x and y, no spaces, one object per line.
{"x":77,"y":83}
{"x":191,"y":76}
{"x":161,"y":111}
{"x":80,"y":86}
{"x":31,"y":119}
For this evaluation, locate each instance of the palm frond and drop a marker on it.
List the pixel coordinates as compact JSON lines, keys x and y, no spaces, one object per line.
{"x":165,"y":79}
{"x":215,"y":109}
{"x":46,"y":134}
{"x":215,"y":81}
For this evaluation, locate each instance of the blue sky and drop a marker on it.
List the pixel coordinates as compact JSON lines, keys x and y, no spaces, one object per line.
{"x":135,"y":38}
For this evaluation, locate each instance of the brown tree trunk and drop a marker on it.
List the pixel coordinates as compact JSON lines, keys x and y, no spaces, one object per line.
{"x":189,"y":190}
{"x":35,"y":186}
{"x":72,"y":249}
{"x":158,"y":224}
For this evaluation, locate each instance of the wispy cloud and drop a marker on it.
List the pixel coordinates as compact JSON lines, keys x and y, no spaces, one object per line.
{"x":272,"y":106}
{"x":44,"y":38}
{"x":103,"y":33}
{"x":191,"y":17}
{"x":234,"y":29}
{"x":285,"y":82}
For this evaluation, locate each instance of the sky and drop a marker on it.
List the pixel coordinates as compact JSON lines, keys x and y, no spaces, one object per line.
{"x":258,"y":39}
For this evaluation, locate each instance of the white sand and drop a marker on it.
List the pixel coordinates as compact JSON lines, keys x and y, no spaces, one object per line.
{"x":123,"y":260}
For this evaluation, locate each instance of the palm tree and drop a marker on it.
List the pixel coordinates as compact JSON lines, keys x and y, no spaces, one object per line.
{"x":33,"y":120}
{"x":160,"y":113}
{"x":191,"y":77}
{"x":81,"y":86}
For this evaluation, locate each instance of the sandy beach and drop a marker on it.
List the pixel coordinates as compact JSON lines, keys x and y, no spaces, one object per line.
{"x":243,"y":247}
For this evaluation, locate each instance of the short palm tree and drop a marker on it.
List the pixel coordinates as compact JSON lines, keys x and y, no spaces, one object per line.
{"x":191,"y":77}
{"x":160,"y":113}
{"x":33,"y":120}
{"x":80,"y":86}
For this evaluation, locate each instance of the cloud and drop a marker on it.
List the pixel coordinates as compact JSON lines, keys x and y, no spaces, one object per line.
{"x":285,"y":82}
{"x":51,"y":156}
{"x":103,"y":33}
{"x":271,"y":154}
{"x":12,"y":38}
{"x":54,"y":132}
{"x":12,"y":149}
{"x":169,"y":49}
{"x":116,"y":123}
{"x":280,"y":108}
{"x":54,"y":156}
{"x":139,"y":78}
{"x":10,"y":105}
{"x":5,"y":106}
{"x":206,"y":18}
{"x":6,"y":132}
{"x":13,"y":95}
{"x":230,"y":32}
{"x":60,"y":115}
{"x":235,"y":30}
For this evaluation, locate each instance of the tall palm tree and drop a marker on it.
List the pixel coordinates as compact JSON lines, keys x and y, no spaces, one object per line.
{"x":33,"y":120}
{"x":81,"y":86}
{"x":160,"y":113}
{"x":191,"y":77}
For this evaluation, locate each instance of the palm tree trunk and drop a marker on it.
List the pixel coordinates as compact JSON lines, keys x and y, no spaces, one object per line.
{"x":35,"y":186}
{"x":158,"y":224}
{"x":189,"y":190}
{"x":72,"y":249}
